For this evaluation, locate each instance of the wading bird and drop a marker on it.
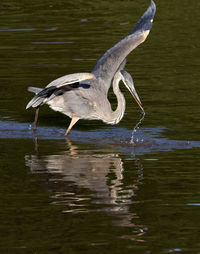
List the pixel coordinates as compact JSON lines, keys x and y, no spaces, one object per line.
{"x":84,"y":95}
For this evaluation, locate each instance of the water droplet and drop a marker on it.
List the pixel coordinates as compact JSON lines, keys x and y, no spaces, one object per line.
{"x":137,"y":127}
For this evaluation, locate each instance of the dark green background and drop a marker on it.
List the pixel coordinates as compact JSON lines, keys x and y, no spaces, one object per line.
{"x":72,"y":197}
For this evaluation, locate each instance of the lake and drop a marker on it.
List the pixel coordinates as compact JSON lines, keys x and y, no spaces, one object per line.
{"x":104,"y":188}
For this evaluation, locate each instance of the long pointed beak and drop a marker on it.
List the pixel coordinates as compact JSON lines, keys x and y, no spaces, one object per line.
{"x":128,"y":82}
{"x":136,"y":97}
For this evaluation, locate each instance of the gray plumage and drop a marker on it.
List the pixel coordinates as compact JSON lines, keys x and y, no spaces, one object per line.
{"x":84,"y":95}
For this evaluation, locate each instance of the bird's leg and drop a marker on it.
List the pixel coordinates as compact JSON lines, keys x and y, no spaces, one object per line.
{"x":73,"y":121}
{"x":36,"y":118}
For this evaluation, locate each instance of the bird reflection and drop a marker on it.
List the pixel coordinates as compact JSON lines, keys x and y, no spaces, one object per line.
{"x":87,"y":181}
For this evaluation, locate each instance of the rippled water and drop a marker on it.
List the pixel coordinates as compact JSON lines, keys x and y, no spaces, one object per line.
{"x":96,"y":191}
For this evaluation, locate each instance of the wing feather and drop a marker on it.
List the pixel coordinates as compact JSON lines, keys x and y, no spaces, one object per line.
{"x":109,"y":62}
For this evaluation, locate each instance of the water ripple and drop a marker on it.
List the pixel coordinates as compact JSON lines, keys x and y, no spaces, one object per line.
{"x":151,"y":138}
{"x":52,"y":42}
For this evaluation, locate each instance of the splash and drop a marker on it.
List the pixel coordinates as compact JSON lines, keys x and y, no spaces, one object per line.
{"x":135,"y":140}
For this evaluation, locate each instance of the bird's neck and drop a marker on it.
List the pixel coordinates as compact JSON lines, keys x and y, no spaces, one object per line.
{"x":117,"y":115}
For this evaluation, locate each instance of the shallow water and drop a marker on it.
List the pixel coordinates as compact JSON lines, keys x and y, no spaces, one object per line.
{"x":96,"y":192}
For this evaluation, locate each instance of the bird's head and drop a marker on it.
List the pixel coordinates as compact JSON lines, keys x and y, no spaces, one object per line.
{"x":128,"y":81}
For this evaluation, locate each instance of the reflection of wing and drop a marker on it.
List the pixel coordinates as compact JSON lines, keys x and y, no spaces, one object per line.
{"x":80,"y":169}
{"x":109,"y":63}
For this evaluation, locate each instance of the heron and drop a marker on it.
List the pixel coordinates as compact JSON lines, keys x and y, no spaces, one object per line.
{"x":85,"y":95}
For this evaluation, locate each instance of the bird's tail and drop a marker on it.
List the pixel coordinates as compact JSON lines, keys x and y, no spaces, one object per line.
{"x":41,"y":96}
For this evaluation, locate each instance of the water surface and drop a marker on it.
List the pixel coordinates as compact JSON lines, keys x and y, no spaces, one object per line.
{"x":95,"y":192}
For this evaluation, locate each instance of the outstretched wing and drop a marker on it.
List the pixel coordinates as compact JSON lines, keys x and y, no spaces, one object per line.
{"x":110,"y":61}
{"x":70,"y":79}
{"x":53,"y":88}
